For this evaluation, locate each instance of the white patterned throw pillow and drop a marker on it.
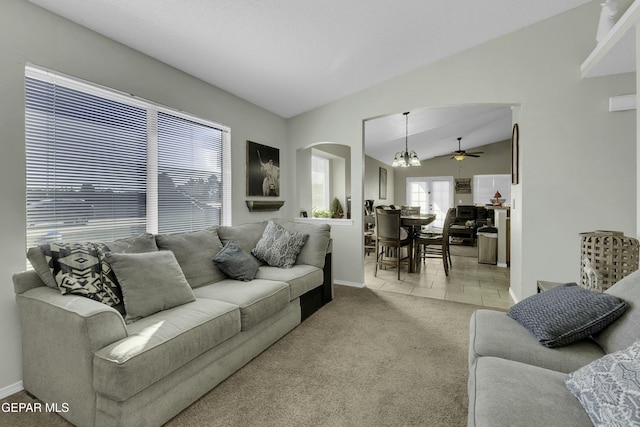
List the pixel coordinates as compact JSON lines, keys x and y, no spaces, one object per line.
{"x":278,"y":246}
{"x":80,"y":269}
{"x":609,"y":388}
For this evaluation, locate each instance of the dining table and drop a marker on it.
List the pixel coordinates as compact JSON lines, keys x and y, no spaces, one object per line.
{"x":413,"y":222}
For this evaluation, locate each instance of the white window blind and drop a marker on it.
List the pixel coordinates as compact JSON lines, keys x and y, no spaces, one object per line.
{"x":485,"y":187}
{"x":190,"y":175}
{"x":102,"y":165}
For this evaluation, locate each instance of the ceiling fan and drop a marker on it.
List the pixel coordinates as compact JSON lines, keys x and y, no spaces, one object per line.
{"x":460,"y":154}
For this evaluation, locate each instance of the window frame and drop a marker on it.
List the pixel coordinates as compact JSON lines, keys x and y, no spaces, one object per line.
{"x":153,"y":110}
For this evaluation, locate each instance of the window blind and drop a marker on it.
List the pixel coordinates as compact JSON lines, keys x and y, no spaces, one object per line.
{"x":189,"y":174}
{"x":103,"y":165}
{"x":485,"y":187}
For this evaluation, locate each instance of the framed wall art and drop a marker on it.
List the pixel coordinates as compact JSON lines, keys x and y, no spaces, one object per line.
{"x":463,"y":186}
{"x":383,"y":184}
{"x":515,"y":154}
{"x":263,"y":170}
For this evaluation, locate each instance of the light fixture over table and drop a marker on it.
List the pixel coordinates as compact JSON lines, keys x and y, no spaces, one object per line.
{"x":404,"y":159}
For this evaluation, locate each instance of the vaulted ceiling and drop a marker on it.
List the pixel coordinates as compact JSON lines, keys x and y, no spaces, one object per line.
{"x":290,"y":56}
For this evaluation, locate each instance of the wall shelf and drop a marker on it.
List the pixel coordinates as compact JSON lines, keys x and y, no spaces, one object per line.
{"x":616,"y":53}
{"x":264,"y":205}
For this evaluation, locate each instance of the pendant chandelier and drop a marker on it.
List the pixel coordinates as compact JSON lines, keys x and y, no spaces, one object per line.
{"x":404,"y":159}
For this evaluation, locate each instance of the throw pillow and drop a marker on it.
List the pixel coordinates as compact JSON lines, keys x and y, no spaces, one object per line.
{"x":77,"y":269}
{"x":279,"y":247}
{"x":236,"y":263}
{"x":609,"y":388}
{"x":150,"y":282}
{"x":566,"y":314}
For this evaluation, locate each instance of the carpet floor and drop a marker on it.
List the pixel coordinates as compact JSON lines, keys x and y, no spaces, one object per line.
{"x":369,"y":358}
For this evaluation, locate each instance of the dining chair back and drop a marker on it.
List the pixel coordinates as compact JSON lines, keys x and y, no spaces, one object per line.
{"x":436,"y":245}
{"x":406,"y":210}
{"x":389,"y":241}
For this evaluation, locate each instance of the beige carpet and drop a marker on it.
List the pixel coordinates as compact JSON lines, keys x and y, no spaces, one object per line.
{"x":369,"y":358}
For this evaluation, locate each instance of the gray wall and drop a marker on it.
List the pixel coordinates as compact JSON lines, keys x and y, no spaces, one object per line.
{"x":31,"y":34}
{"x":577,"y":159}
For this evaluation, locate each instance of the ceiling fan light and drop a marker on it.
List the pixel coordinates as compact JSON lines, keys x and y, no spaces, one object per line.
{"x":459,"y":157}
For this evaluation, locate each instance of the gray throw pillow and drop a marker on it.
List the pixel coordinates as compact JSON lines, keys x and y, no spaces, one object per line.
{"x":236,"y":263}
{"x":566,"y":314}
{"x":609,"y":388}
{"x":279,"y":247}
{"x":150,"y":282}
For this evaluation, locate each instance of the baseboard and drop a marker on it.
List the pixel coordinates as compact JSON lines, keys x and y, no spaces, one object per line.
{"x":513,"y":296}
{"x":352,"y":284}
{"x":11,"y":389}
{"x":502,"y":265}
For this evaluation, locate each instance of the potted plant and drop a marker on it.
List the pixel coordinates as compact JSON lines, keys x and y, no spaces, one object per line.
{"x":336,"y":208}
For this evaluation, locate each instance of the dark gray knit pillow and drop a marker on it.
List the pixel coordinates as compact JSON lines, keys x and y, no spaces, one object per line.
{"x":566,"y":314}
{"x":236,"y":263}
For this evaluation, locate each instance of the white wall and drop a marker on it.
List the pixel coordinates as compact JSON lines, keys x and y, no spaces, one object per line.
{"x":29,"y":33}
{"x":577,"y":159}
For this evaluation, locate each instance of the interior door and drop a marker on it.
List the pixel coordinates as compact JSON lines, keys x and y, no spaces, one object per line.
{"x":434,"y":194}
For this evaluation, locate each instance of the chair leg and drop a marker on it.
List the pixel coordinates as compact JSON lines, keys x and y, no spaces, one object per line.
{"x":445,"y":261}
{"x":398,"y":255}
{"x":375,"y":271}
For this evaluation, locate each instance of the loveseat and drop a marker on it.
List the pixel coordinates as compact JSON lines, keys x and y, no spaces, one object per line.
{"x":514,"y":380}
{"x":184,"y":326}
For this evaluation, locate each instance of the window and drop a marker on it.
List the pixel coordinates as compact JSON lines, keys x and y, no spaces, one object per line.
{"x":320,"y":183}
{"x":485,"y":187}
{"x":103,"y":165}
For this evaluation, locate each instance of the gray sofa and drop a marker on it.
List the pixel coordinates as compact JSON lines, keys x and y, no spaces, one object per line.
{"x":515,"y":381}
{"x":112,"y":371}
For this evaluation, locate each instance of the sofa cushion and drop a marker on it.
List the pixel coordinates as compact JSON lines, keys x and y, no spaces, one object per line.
{"x":624,"y":331}
{"x":493,"y":333}
{"x":313,"y":252}
{"x":246,"y":235}
{"x":301,"y":278}
{"x":257,"y":299}
{"x":194,"y":252}
{"x":504,"y":393}
{"x":236,"y":263}
{"x":151,"y":282}
{"x":609,"y":388}
{"x":279,"y":247}
{"x":145,"y":242}
{"x":566,"y":314}
{"x":160,"y":344}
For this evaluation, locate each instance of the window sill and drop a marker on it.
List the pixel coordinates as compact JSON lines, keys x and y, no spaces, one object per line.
{"x":330,"y":221}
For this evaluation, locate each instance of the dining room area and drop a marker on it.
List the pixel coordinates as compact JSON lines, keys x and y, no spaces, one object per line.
{"x":421,"y":261}
{"x":435,"y":194}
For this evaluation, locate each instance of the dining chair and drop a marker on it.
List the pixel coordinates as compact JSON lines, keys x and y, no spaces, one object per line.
{"x":430,"y":245}
{"x":390,"y":240}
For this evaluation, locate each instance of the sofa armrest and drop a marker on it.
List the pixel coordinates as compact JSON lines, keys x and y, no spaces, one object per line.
{"x":60,"y":334}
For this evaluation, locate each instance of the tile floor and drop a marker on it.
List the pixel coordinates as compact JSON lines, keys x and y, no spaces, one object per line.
{"x":468,"y":282}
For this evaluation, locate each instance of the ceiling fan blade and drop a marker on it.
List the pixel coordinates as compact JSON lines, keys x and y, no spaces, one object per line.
{"x":472,"y":155}
{"x":476,"y":152}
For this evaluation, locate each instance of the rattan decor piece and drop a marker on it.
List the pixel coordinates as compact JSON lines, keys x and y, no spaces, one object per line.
{"x":611,"y":254}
